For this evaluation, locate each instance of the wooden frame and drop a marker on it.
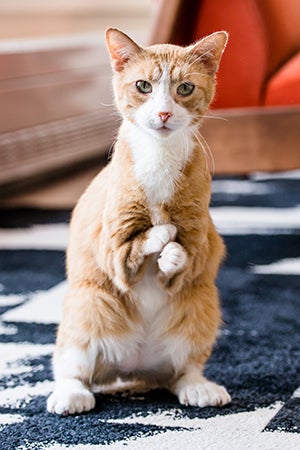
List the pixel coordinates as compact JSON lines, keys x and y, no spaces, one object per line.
{"x":174,"y":22}
{"x":246,"y":140}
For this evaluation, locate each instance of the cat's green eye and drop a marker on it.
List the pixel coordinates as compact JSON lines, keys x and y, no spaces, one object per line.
{"x":185,"y":89}
{"x":143,"y":87}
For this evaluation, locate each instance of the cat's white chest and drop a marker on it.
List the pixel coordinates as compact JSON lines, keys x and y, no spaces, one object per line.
{"x":158,"y":162}
{"x":157,"y":172}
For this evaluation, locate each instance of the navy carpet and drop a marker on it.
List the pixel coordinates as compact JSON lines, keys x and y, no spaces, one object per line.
{"x":257,"y":355}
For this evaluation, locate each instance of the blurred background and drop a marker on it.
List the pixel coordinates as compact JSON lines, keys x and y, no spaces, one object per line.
{"x":57,"y":119}
{"x":21,"y":19}
{"x":56,"y":105}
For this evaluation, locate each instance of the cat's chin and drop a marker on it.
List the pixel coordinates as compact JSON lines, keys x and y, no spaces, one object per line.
{"x":162,"y":132}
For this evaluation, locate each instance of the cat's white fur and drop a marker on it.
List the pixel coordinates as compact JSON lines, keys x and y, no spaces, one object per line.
{"x":158,"y":237}
{"x":158,"y":159}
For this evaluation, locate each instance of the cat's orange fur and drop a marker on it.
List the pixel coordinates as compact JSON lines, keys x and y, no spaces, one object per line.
{"x":110,"y":230}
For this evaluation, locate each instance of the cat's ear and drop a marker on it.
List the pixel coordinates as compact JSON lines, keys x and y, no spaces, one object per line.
{"x":209,"y":50}
{"x":121,"y":48}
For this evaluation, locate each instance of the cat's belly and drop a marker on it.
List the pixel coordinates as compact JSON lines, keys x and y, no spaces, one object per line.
{"x":150,"y":348}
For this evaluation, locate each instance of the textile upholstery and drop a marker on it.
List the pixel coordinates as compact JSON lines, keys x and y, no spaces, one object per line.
{"x":261,"y":65}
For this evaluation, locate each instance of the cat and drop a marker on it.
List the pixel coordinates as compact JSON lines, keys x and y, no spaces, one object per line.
{"x":143,"y":252}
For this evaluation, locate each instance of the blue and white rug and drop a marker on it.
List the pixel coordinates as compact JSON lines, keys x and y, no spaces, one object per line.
{"x":257,"y":356}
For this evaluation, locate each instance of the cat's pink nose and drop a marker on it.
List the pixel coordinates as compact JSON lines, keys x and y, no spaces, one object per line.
{"x":165,"y":116}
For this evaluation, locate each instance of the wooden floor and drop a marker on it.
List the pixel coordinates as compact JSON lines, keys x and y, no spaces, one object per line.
{"x":61,"y":193}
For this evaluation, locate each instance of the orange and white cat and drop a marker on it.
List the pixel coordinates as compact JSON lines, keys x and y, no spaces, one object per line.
{"x":143,"y":252}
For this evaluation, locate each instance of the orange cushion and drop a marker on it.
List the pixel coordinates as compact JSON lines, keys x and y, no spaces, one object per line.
{"x":284,"y":87}
{"x":244,"y":64}
{"x":282,"y":22}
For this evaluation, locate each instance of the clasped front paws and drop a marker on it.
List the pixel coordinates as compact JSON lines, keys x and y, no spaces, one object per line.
{"x":172,"y":255}
{"x":158,"y":237}
{"x":172,"y":259}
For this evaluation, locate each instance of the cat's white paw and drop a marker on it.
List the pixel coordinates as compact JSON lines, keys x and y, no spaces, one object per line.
{"x":158,"y":237}
{"x":70,"y":399}
{"x":203,"y":394}
{"x":172,"y":258}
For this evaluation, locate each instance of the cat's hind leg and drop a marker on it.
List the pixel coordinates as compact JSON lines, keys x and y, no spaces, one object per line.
{"x":72,"y":369}
{"x":81,"y":357}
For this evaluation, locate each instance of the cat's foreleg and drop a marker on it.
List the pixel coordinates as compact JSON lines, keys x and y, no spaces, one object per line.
{"x":172,"y":264}
{"x":158,"y":237}
{"x":130,"y":255}
{"x":193,"y":389}
{"x":71,"y":395}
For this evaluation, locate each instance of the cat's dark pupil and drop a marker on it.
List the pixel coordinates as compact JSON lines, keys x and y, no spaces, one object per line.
{"x":144,"y":87}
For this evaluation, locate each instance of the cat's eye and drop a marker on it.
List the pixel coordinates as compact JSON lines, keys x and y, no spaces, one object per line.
{"x":143,"y":87}
{"x":185,"y":89}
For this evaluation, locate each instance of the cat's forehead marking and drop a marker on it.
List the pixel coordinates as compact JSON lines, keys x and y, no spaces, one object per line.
{"x":166,"y":73}
{"x":159,"y":72}
{"x":176,"y":73}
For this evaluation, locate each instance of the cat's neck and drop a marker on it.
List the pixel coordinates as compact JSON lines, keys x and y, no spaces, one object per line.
{"x":158,"y":161}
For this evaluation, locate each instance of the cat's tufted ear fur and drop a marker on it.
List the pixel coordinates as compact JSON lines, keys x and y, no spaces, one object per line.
{"x":210,"y":49}
{"x":121,"y":48}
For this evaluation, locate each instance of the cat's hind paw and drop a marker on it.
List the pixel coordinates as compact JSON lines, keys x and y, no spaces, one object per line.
{"x":70,"y":400}
{"x":172,"y":259}
{"x":203,"y":394}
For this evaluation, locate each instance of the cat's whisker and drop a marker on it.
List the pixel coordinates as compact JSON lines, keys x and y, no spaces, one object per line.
{"x":206,"y":150}
{"x":211,"y":116}
{"x":204,"y":75}
{"x":186,"y":147}
{"x":116,"y":114}
{"x":107,"y":104}
{"x":195,"y":57}
{"x":111,"y":150}
{"x":208,"y":53}
{"x":201,"y":56}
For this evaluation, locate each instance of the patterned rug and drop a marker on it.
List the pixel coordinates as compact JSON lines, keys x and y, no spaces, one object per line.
{"x":257,"y":355}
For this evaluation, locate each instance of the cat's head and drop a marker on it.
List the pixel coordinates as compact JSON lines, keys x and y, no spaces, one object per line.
{"x":166,"y":88}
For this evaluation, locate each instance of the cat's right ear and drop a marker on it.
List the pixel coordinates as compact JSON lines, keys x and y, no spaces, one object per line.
{"x":121,"y":48}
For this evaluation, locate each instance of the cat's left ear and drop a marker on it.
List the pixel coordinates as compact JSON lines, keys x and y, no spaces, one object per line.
{"x":209,"y":50}
{"x":121,"y":48}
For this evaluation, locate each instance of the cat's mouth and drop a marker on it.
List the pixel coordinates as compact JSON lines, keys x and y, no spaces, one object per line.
{"x":164,"y":129}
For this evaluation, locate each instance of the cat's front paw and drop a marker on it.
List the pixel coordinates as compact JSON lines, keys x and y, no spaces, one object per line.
{"x":203,"y":394}
{"x":158,"y":237}
{"x":65,"y":401}
{"x":172,"y":259}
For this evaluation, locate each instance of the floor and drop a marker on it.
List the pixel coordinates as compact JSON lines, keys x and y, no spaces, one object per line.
{"x":61,"y":193}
